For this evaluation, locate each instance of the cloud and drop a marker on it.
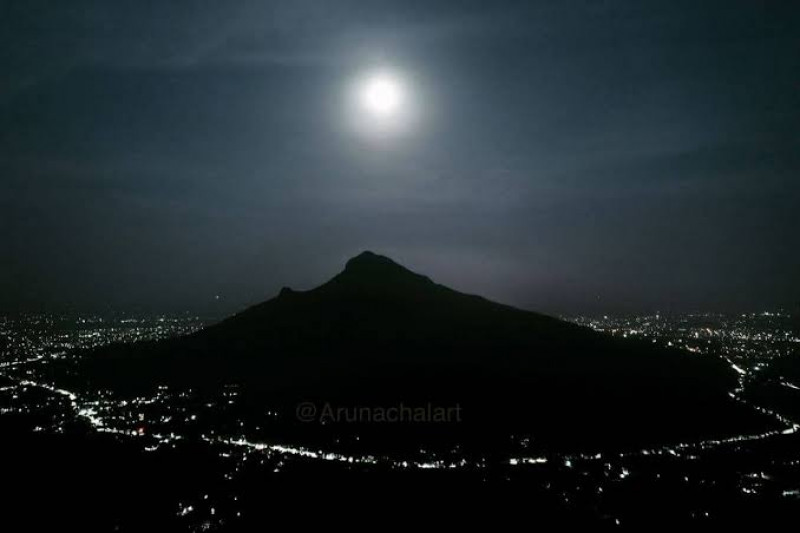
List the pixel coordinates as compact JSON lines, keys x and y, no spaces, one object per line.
{"x":42,"y":40}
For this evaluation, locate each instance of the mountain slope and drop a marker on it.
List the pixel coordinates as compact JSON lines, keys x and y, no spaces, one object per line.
{"x":378,"y":334}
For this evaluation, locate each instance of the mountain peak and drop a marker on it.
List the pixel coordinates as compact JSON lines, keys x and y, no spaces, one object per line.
{"x":369,"y":259}
{"x":370,"y":267}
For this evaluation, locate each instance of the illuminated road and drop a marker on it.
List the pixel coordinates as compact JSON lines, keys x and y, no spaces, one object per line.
{"x":85,"y":411}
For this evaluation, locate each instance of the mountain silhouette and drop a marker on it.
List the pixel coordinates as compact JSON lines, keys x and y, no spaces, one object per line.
{"x":378,"y":333}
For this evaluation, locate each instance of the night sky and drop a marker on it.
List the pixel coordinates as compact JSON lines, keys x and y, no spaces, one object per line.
{"x":560,"y":156}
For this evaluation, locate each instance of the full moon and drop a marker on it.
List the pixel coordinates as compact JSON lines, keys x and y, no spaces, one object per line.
{"x":382,"y":95}
{"x":382,"y":104}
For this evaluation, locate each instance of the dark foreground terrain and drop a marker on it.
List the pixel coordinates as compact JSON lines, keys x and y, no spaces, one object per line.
{"x":166,"y":423}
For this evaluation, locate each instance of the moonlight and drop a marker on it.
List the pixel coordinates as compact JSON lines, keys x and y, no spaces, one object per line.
{"x":382,"y":105}
{"x":382,"y":95}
